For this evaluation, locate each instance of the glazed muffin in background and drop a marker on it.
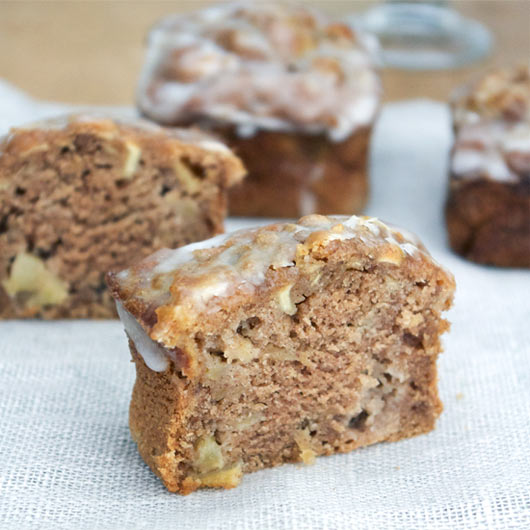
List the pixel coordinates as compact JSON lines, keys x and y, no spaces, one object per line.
{"x":279,"y":344}
{"x":294,"y":93}
{"x":84,"y":195}
{"x":488,"y":207}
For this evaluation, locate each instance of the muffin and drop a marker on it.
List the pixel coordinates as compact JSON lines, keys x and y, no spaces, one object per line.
{"x":294,"y":93}
{"x":280,"y":344}
{"x":488,"y":207}
{"x":83,"y":195}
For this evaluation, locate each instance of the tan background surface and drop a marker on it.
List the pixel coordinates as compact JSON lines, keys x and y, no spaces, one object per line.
{"x":92,"y":51}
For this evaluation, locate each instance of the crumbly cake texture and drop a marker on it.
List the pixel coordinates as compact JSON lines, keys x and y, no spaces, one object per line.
{"x":488,"y":207}
{"x":284,"y":86}
{"x":82,"y":195}
{"x":279,"y":344}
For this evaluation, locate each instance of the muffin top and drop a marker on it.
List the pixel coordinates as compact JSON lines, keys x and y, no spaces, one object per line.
{"x":257,"y":66}
{"x":500,"y":94}
{"x":162,"y":297}
{"x":134,"y":133}
{"x":492,"y":127}
{"x":109,"y":122}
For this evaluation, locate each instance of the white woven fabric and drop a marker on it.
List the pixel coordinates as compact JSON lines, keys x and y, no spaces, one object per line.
{"x":67,"y":460}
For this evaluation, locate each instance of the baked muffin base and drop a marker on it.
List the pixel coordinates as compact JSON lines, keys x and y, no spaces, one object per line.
{"x":294,"y":174}
{"x":488,"y":221}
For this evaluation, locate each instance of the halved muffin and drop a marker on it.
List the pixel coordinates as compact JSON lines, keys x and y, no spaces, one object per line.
{"x":279,"y":344}
{"x":83,"y":195}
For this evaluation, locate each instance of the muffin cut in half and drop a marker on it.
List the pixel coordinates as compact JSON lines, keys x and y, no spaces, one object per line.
{"x":279,"y":344}
{"x":488,"y":206}
{"x":293,"y":92}
{"x":82,"y":195}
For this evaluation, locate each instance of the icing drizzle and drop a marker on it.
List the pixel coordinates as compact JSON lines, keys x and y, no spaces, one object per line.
{"x":227,"y":63}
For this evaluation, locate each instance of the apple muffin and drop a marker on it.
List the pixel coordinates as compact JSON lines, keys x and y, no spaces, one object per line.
{"x":294,"y":93}
{"x":280,"y":344}
{"x":82,"y":195}
{"x":488,"y":207}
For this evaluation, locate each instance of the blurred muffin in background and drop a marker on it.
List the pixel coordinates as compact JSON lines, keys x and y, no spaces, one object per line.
{"x":294,"y":93}
{"x":488,"y":207}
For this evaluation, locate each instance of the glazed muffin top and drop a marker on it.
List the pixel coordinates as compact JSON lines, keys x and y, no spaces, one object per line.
{"x":256,"y":66}
{"x":107,"y":123}
{"x":166,"y":294}
{"x":492,"y":127}
{"x":503,"y":94}
{"x":169,"y":142}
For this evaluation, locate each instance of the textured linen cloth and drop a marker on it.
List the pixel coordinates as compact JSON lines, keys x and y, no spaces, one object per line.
{"x":67,"y":459}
